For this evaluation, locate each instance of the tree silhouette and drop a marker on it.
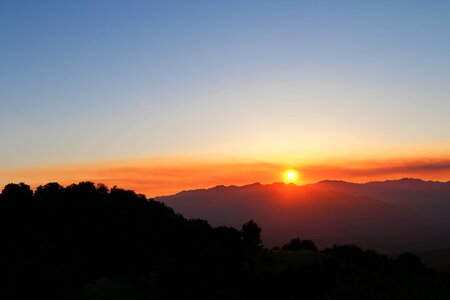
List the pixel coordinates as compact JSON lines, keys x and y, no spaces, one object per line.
{"x":410,"y":262}
{"x":85,"y":241}
{"x":251,"y":236}
{"x":297,"y":244}
{"x":17,"y":193}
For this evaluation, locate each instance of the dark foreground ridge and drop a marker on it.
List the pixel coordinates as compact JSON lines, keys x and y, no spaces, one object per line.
{"x":89,"y":242}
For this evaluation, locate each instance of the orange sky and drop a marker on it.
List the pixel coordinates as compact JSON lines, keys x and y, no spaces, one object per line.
{"x":155,"y":177}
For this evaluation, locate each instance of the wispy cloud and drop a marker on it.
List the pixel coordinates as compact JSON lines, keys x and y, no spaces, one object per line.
{"x":433,"y":169}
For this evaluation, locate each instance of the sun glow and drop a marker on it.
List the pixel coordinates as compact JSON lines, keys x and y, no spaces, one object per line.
{"x":290,"y":176}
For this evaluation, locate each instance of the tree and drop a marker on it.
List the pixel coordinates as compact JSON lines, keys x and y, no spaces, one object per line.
{"x":297,"y":244}
{"x":16,"y":196}
{"x":50,"y":192}
{"x":251,"y":236}
{"x":410,"y":262}
{"x":17,"y":192}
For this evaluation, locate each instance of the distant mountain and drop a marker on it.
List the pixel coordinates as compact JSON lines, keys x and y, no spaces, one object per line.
{"x":389,"y":216}
{"x":429,"y":198}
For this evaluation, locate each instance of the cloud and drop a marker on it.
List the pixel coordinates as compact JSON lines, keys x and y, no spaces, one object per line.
{"x":383,"y":169}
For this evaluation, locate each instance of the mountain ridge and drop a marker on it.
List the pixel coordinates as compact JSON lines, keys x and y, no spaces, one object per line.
{"x":369,"y":214}
{"x":325,"y":181}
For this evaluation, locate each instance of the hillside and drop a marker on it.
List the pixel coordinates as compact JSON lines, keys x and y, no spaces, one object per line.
{"x":89,"y":242}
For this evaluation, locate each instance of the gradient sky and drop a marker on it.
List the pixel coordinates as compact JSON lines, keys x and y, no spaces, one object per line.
{"x":273,"y":81}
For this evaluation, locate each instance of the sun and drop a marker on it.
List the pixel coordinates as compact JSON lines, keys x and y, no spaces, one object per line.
{"x":290,"y":176}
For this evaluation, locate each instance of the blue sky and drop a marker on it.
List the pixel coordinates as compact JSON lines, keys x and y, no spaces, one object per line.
{"x":102,"y":80}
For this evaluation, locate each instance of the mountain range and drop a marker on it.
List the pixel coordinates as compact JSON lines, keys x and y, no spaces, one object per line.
{"x":395,"y":215}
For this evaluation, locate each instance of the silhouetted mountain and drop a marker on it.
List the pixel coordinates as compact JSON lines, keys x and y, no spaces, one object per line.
{"x":327,"y":212}
{"x":429,"y":198}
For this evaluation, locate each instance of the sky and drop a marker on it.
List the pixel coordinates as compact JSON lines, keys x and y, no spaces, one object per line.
{"x":223,"y":92}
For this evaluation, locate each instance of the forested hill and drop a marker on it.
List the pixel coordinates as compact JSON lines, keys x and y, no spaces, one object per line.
{"x":85,"y":241}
